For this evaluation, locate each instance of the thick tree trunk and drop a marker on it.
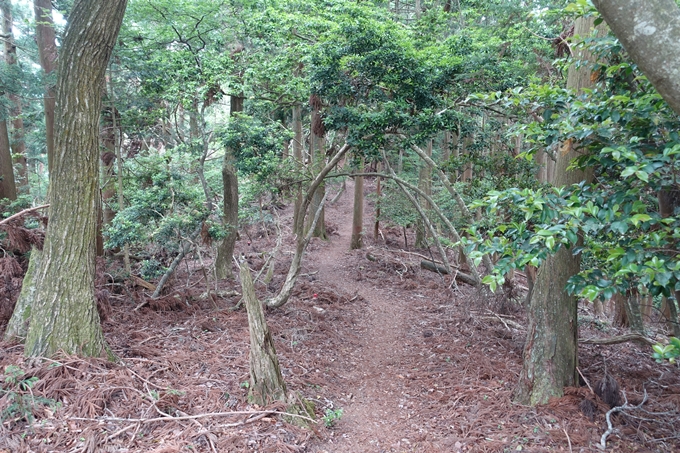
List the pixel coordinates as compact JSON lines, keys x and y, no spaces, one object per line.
{"x":551,"y":348}
{"x":650,"y":31}
{"x":47,"y":49}
{"x":8,"y":188}
{"x":17,"y":133}
{"x":225,"y":250}
{"x":266,"y":380}
{"x":358,"y":212}
{"x":63,"y":314}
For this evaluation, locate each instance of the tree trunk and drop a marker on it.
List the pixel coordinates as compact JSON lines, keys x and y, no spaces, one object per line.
{"x":225,"y":250}
{"x":63,"y":314}
{"x":17,"y":133}
{"x":266,"y":380}
{"x":297,"y":152}
{"x":358,"y":212}
{"x":551,"y":348}
{"x":8,"y":188}
{"x":378,"y":194}
{"x":318,"y":153}
{"x":649,"y":30}
{"x":425,"y":184}
{"x":108,"y":181}
{"x":47,"y":50}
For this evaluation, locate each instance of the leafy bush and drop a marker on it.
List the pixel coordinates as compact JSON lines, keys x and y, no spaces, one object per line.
{"x":669,"y":352}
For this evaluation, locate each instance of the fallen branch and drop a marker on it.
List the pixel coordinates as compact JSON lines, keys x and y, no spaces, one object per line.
{"x":419,"y":255}
{"x":259,"y":414}
{"x":618,"y":340}
{"x":610,"y":427}
{"x":21,"y":213}
{"x":430,"y":265}
{"x":143,"y":283}
{"x":506,"y":322}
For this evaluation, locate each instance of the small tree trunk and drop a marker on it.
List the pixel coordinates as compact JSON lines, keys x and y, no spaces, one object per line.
{"x":669,"y":312}
{"x":358,"y":212}
{"x":17,"y":135}
{"x":8,"y":188}
{"x":318,"y":162}
{"x":620,"y":312}
{"x":266,"y":380}
{"x":297,"y":153}
{"x":47,"y":49}
{"x":424,"y":184}
{"x":378,"y":194}
{"x":225,"y":250}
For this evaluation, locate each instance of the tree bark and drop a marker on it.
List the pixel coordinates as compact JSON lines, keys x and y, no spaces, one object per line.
{"x":17,"y":132}
{"x":551,"y":348}
{"x":650,"y":32}
{"x":266,"y":380}
{"x":378,"y":195}
{"x":425,"y":184}
{"x":358,"y":212}
{"x":297,"y":152}
{"x":47,"y":50}
{"x":225,"y":250}
{"x":318,"y":154}
{"x":8,"y":188}
{"x":63,"y":314}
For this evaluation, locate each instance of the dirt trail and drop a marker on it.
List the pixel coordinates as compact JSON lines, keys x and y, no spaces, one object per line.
{"x":375,"y":406}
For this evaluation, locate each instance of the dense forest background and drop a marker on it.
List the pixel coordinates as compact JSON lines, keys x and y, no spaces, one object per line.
{"x":516,"y":147}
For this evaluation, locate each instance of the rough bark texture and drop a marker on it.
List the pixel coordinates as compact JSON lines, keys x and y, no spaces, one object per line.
{"x":225,"y":250}
{"x":650,"y":31}
{"x":318,"y":153}
{"x":425,"y":184}
{"x":297,"y":153}
{"x":47,"y":49}
{"x":17,"y":132}
{"x":63,"y":311}
{"x":551,"y":348}
{"x":266,"y":381}
{"x":8,"y":188}
{"x":358,"y":213}
{"x":378,"y":195}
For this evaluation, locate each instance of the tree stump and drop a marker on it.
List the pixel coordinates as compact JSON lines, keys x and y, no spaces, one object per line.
{"x":266,"y":381}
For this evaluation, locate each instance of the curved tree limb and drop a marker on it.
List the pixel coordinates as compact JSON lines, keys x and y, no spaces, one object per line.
{"x":298,"y":228}
{"x":454,"y":193}
{"x":435,"y":208}
{"x":423,"y":215}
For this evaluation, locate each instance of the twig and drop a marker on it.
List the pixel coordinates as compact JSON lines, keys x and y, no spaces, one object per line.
{"x":568,"y":440}
{"x":119,"y":432}
{"x":19,"y":214}
{"x":585,"y":380}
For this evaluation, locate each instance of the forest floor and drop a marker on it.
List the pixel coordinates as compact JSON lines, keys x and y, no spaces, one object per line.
{"x":394,"y":358}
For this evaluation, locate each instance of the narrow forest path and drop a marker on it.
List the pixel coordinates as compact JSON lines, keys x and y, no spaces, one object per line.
{"x":375,"y":409}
